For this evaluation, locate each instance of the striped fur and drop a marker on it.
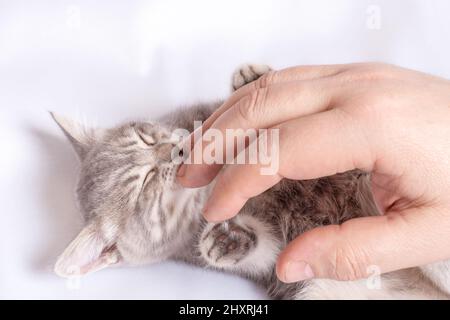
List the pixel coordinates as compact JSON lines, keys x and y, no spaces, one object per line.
{"x":136,"y":213}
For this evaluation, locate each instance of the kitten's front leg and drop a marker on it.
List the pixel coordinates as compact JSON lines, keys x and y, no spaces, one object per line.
{"x":244,"y":245}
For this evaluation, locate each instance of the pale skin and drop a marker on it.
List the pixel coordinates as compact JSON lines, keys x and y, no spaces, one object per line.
{"x":392,"y":122}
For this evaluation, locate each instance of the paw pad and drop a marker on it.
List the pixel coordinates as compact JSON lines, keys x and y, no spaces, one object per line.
{"x":226,"y":244}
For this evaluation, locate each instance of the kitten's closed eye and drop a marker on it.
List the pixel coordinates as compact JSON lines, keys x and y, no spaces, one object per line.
{"x":148,"y":140}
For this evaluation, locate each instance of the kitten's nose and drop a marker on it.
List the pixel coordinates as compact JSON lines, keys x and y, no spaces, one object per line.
{"x":164,"y":151}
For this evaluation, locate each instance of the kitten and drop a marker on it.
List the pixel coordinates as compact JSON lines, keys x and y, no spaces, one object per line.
{"x":136,"y":213}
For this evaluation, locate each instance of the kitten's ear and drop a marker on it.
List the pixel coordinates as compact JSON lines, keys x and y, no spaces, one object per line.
{"x":87,"y":253}
{"x":79,"y":136}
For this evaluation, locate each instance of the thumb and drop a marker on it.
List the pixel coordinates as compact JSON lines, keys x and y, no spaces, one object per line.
{"x":350,"y":251}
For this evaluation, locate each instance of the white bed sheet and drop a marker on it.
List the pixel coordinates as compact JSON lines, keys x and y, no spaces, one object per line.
{"x":108,"y":61}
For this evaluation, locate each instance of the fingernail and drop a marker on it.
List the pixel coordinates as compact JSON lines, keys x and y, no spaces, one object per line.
{"x":207,"y":214}
{"x":211,"y":216}
{"x":297,"y":271}
{"x":181,"y":171}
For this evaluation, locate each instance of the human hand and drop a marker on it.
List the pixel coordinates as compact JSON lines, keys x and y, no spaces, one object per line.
{"x":392,"y":122}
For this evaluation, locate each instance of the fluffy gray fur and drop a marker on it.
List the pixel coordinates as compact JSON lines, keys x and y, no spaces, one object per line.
{"x":136,"y":213}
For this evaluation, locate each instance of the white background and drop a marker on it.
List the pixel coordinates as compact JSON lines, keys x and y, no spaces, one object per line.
{"x":108,"y":61}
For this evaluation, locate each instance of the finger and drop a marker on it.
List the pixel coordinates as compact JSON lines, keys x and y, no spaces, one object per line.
{"x":368,"y":246}
{"x":263,"y":108}
{"x":225,"y":201}
{"x":310,"y":147}
{"x":298,"y":73}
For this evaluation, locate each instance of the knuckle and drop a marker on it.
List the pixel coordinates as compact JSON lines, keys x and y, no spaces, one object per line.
{"x":374,"y":65}
{"x":375,"y":71}
{"x":371,"y":71}
{"x":253,"y":109}
{"x":265,"y":80}
{"x":348,"y":264}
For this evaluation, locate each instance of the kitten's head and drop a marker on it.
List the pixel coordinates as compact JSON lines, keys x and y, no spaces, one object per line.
{"x":125,"y":172}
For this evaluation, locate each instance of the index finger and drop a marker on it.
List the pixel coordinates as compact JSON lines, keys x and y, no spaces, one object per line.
{"x":297,"y":73}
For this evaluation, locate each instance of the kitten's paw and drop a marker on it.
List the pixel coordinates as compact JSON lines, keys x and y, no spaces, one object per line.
{"x":248,"y":73}
{"x":243,"y":244}
{"x":227,"y":243}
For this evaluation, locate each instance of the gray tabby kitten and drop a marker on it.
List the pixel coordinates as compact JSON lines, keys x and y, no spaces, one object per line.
{"x":136,"y":213}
